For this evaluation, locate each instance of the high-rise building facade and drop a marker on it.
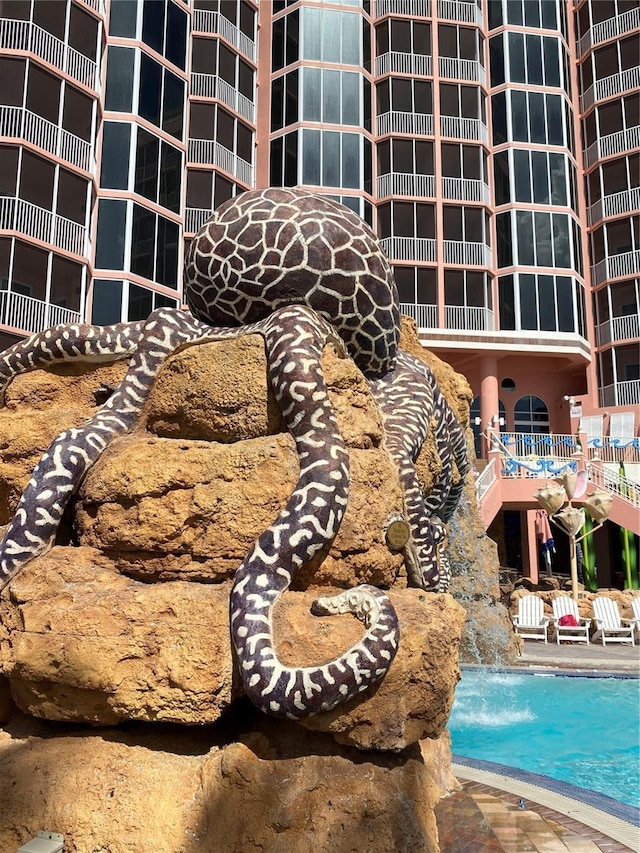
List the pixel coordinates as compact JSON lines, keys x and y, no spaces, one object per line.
{"x":492,"y":145}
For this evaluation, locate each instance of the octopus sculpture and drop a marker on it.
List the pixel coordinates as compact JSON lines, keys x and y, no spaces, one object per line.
{"x":301,"y":270}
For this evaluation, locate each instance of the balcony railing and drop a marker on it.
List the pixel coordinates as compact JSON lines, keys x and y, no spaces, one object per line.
{"x":406,"y":183}
{"x":211,"y":152}
{"x":420,"y":124}
{"x":456,"y":127}
{"x":616,"y":204}
{"x":621,"y":393}
{"x":613,"y":143}
{"x":415,"y":8}
{"x":426,"y":316}
{"x":486,"y":479}
{"x":618,"y":329}
{"x":615,"y":84}
{"x":473,"y":254}
{"x":611,"y":28}
{"x":23,"y":124}
{"x":33,"y":221}
{"x":409,"y":248}
{"x":195,"y":217}
{"x":615,"y":266}
{"x":25,"y":35}
{"x":471,"y":319}
{"x":465,"y":189}
{"x":456,"y":10}
{"x":404,"y":63}
{"x":461,"y":69}
{"x":32,"y":315}
{"x":205,"y":21}
{"x":212,"y":86}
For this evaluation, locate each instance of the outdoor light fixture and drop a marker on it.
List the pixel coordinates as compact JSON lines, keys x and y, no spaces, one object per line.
{"x":44,"y":842}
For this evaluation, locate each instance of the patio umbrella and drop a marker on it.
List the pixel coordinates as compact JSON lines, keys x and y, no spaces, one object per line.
{"x":547,"y":545}
{"x":628,"y":541}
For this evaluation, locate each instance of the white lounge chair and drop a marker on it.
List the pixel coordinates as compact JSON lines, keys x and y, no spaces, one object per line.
{"x":566,"y":606}
{"x":530,"y":621}
{"x":610,"y":626}
{"x":635,"y":609}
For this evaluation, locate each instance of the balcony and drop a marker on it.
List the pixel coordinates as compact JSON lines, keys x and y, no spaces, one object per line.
{"x":462,"y":69}
{"x":456,"y":127}
{"x":469,"y":254}
{"x":409,"y":248}
{"x":426,"y":316}
{"x":19,"y":123}
{"x":32,"y":315}
{"x":204,"y":21}
{"x":621,"y":394}
{"x":616,"y":266}
{"x":613,"y":143}
{"x":468,"y":318}
{"x":212,"y":153}
{"x":465,"y":189}
{"x":456,"y":10}
{"x":611,"y":28}
{"x":394,"y":61}
{"x":615,"y":84}
{"x":617,"y":204}
{"x":618,"y":329}
{"x":27,"y":36}
{"x":33,"y":221}
{"x":195,"y":217}
{"x":418,"y":124}
{"x":414,"y":8}
{"x":212,"y":86}
{"x":406,"y":184}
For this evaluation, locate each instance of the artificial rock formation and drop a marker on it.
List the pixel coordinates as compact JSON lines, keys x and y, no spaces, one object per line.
{"x":126,"y":621}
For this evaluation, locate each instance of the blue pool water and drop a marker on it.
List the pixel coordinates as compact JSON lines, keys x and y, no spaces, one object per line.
{"x":585,"y":731}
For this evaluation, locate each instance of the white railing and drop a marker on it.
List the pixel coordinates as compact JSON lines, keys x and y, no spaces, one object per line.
{"x":403,"y":63}
{"x":211,"y":152}
{"x":25,"y":35}
{"x":615,"y":84}
{"x":415,"y":8}
{"x":615,"y":204}
{"x":613,"y":143}
{"x":486,"y":479}
{"x":470,"y":318}
{"x":611,"y":480}
{"x":19,"y":215}
{"x":205,"y":21}
{"x":22,"y":123}
{"x":212,"y":86}
{"x":460,"y":252}
{"x":32,"y":315}
{"x":421,"y":124}
{"x":613,"y":451}
{"x":455,"y":10}
{"x":463,"y":128}
{"x":409,"y":248}
{"x":610,"y":28}
{"x":615,"y":266}
{"x":621,"y":393}
{"x":618,"y":329}
{"x":426,"y":316}
{"x":461,"y":69}
{"x":406,"y":183}
{"x":465,"y":189}
{"x":195,"y":217}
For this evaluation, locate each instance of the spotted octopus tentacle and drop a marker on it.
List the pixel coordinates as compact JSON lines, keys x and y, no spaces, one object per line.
{"x":294,"y":338}
{"x":69,"y":343}
{"x":74,"y":451}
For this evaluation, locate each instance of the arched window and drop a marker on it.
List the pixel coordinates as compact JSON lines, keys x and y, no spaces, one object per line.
{"x":531,"y":415}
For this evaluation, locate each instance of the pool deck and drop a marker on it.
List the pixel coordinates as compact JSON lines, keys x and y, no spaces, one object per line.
{"x":497,"y":812}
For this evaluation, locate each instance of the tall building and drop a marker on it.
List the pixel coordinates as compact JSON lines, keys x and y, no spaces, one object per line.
{"x":492,"y":145}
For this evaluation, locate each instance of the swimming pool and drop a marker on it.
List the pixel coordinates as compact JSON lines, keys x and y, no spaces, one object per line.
{"x":580,"y":730}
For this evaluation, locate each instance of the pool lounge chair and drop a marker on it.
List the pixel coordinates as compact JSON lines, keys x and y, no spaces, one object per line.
{"x":564,"y":607}
{"x":610,"y":626}
{"x":530,"y":621}
{"x":635,"y":609}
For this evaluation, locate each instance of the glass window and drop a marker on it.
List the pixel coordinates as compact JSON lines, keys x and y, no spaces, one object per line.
{"x":170,"y":177}
{"x":119,"y":89}
{"x":311,"y":157}
{"x":561,"y":245}
{"x":499,"y":110}
{"x":106,"y":306}
{"x":516,"y":58}
{"x":153,"y":24}
{"x":112,"y":216}
{"x":522,"y":175}
{"x":143,"y":240}
{"x":122,"y":18}
{"x":176,"y":35}
{"x":140,"y":303}
{"x":544,"y":246}
{"x":534,"y":58}
{"x":540,"y":174}
{"x":150,"y":89}
{"x":173,"y":105}
{"x":524,"y":225}
{"x":311,"y":94}
{"x":331,"y":159}
{"x":167,"y":252}
{"x":496,"y":59}
{"x":528,"y":308}
{"x":506,"y":303}
{"x":551,"y":62}
{"x":147,"y":160}
{"x":350,"y":160}
{"x":536,"y":117}
{"x":546,"y":303}
{"x":566,"y":321}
